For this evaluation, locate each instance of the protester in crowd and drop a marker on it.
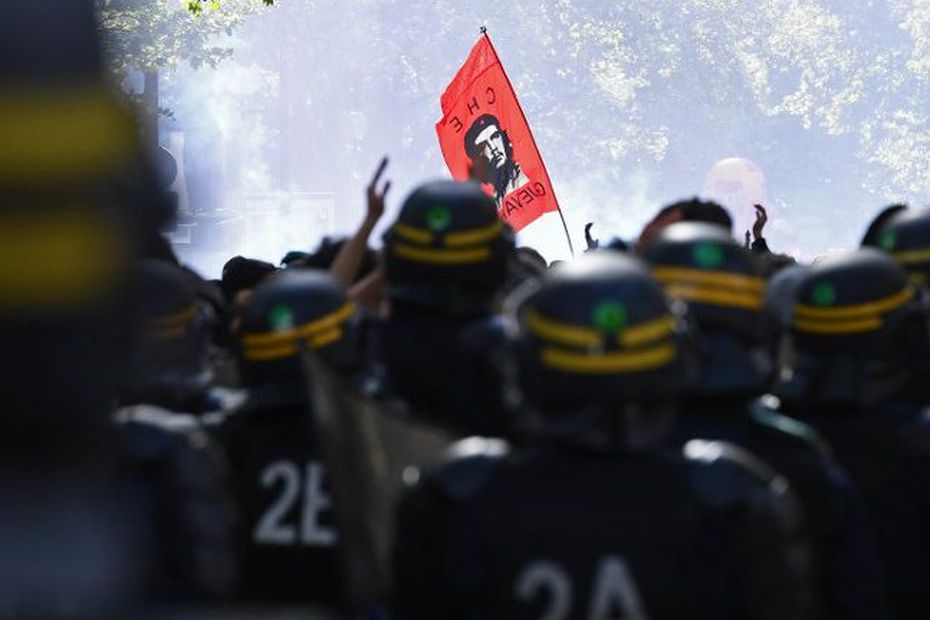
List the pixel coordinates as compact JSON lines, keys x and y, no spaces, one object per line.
{"x":287,"y":538}
{"x":702,"y":266}
{"x":592,"y":515}
{"x":858,"y":334}
{"x":446,"y":262}
{"x":693,"y":210}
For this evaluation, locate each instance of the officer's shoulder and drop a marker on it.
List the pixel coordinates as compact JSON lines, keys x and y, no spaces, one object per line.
{"x":153,"y":432}
{"x":765,"y":412}
{"x":484,"y":334}
{"x":723,"y":474}
{"x":152,"y":416}
{"x":468,"y":465}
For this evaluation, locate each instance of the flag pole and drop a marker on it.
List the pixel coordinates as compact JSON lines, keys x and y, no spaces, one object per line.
{"x":558,"y":207}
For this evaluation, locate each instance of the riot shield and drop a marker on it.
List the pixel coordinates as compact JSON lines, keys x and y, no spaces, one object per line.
{"x":367,"y":449}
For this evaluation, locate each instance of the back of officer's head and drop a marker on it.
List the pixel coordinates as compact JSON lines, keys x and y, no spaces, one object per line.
{"x":448,"y":251}
{"x":857,"y":329}
{"x":290,"y":312}
{"x":171,"y":331}
{"x":905,"y":234}
{"x":702,"y":266}
{"x":596,"y":334}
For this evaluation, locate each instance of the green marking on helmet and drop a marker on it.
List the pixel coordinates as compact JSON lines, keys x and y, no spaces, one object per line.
{"x":281,"y":318}
{"x":438,"y":218}
{"x":708,"y":255}
{"x":887,"y":240}
{"x":824,"y":294}
{"x":610,"y":317}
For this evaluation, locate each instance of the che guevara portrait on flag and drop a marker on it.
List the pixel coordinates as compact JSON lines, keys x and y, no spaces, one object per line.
{"x":482,"y":120}
{"x":488,"y":140}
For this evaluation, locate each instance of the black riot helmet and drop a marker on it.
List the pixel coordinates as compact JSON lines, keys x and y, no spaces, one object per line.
{"x":597,"y":336}
{"x":702,"y":266}
{"x":858,"y":330}
{"x":448,"y":251}
{"x":291,"y":311}
{"x":171,"y":330}
{"x":906,"y":236}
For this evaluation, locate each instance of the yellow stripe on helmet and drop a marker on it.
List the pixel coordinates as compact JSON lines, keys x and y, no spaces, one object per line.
{"x":307,"y":330}
{"x":583,"y":336}
{"x":851,"y":311}
{"x":442,"y":256}
{"x":684,"y":275}
{"x":474,"y":236}
{"x":912,"y":256}
{"x":264,"y":353}
{"x":412,"y":233}
{"x":562,"y":333}
{"x":178,"y":319}
{"x":59,"y":258}
{"x":638,"y":335}
{"x":715,"y":297}
{"x":608,"y":363}
{"x":57,"y":134}
{"x":833,"y":327}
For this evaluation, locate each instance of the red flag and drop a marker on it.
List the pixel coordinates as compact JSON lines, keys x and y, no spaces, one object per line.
{"x":483,"y":119}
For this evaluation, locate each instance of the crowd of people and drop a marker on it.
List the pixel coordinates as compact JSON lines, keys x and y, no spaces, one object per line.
{"x":682,"y":425}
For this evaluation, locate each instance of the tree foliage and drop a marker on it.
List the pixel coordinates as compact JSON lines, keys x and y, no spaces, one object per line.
{"x":197,"y":6}
{"x":152,"y":35}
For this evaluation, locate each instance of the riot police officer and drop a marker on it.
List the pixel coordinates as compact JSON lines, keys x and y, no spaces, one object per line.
{"x":720,"y":282}
{"x":595,"y":515}
{"x":288,"y":539}
{"x":905,"y":235}
{"x":74,"y":204}
{"x":446,"y":260}
{"x":857,"y":334}
{"x":167,"y":458}
{"x":168,"y":353}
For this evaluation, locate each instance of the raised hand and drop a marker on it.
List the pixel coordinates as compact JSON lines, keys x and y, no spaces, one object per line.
{"x":761,"y":218}
{"x":376,"y":197}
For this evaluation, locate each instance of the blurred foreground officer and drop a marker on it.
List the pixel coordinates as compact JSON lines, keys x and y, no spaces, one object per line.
{"x":595,"y":517}
{"x":288,"y":539}
{"x":703,"y":266}
{"x":446,"y":259}
{"x":72,"y":206}
{"x":856,"y":332}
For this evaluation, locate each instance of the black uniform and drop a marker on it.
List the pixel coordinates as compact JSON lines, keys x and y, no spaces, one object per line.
{"x":886,"y":451}
{"x":856,"y":328}
{"x":845,"y":563}
{"x":179,"y":482}
{"x":446,"y":262}
{"x":446,"y":369}
{"x":596,"y":516}
{"x":557,"y":532}
{"x":287,"y":539}
{"x":704,"y":267}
